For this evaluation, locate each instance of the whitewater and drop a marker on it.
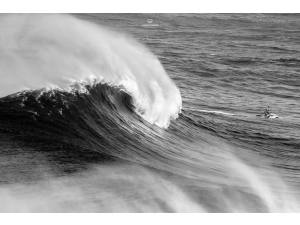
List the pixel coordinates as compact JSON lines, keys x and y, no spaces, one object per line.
{"x":62,"y":52}
{"x":100,"y":113}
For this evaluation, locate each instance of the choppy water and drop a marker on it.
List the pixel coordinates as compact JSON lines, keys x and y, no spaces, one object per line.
{"x":94,"y":151}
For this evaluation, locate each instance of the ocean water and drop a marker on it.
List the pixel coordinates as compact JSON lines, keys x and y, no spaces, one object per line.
{"x":114,"y":113}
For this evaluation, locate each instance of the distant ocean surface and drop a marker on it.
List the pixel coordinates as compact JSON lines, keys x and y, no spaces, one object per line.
{"x":135,"y":140}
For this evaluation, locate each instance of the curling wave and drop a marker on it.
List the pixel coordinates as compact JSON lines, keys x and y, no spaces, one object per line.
{"x":76,"y":100}
{"x":63,"y":52}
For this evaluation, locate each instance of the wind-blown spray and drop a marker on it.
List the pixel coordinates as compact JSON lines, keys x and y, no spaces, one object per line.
{"x":58,"y":51}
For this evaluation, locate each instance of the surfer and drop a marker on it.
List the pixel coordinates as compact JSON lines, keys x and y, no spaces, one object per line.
{"x":267,"y":111}
{"x":268,"y":114}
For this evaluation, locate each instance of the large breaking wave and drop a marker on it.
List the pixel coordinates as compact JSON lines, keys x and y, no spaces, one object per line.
{"x":70,"y":140}
{"x":63,"y":52}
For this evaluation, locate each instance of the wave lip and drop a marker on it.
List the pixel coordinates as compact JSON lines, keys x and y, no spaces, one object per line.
{"x":60,"y":51}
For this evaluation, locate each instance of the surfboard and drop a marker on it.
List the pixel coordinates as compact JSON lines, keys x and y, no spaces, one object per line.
{"x":270,"y":116}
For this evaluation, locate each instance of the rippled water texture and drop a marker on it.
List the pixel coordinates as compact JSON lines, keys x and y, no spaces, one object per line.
{"x":95,"y":151}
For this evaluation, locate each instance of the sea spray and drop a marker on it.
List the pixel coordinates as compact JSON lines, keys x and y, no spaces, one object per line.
{"x":58,"y":51}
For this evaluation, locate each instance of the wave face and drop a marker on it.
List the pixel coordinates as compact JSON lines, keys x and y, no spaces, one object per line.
{"x":94,"y":139}
{"x":60,"y":51}
{"x":80,"y":107}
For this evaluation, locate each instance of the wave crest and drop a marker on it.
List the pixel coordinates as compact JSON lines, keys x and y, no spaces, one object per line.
{"x":59,"y":51}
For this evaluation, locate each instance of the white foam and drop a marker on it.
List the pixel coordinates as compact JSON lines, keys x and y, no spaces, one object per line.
{"x":217,"y":112}
{"x":42,"y":51}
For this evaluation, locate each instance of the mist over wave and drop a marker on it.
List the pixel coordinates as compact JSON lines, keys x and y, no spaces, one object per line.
{"x":60,"y":51}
